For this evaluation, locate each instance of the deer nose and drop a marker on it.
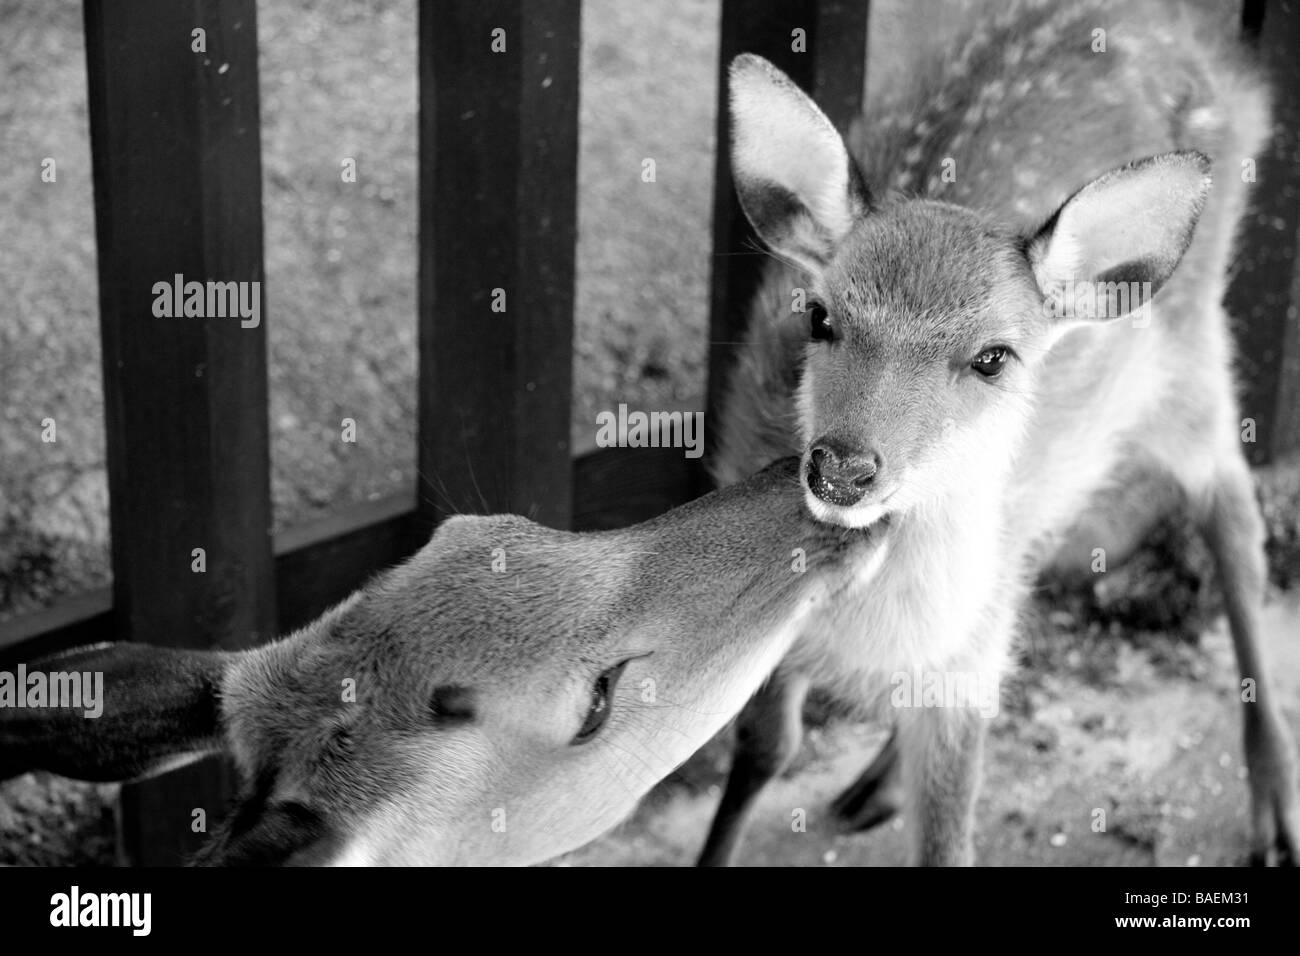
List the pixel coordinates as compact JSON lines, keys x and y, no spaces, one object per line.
{"x":839,"y":476}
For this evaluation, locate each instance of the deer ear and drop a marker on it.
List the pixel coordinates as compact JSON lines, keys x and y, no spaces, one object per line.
{"x":1115,"y":242}
{"x":796,"y":182}
{"x":142,"y":710}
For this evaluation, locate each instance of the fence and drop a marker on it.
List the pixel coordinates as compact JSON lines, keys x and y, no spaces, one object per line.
{"x":177,"y":171}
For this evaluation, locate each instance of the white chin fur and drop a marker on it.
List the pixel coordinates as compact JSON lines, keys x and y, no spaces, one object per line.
{"x":858,"y":516}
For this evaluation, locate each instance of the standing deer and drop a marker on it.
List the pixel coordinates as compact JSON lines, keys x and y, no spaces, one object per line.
{"x":514,"y":690}
{"x":981,"y":362}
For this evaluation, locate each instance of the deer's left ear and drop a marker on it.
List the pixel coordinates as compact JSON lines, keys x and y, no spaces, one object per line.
{"x":1115,"y":242}
{"x":143,"y":710}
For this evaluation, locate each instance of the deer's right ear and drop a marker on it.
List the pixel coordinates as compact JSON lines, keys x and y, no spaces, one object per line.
{"x":139,"y":710}
{"x":797,"y":183}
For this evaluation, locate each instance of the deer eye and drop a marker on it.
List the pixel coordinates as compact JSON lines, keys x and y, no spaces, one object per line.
{"x":452,"y":703}
{"x":602,"y":702}
{"x":990,"y":362}
{"x":819,"y":323}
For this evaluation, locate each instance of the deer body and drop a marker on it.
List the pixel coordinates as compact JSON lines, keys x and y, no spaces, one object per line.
{"x":503,"y":697}
{"x":955,"y":387}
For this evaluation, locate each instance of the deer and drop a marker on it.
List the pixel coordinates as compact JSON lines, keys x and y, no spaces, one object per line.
{"x":991,"y":326}
{"x":504,"y":696}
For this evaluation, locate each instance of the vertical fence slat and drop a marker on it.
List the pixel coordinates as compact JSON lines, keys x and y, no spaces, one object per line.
{"x":175,"y":142}
{"x":498,"y":180}
{"x":1264,"y":297}
{"x":833,"y":67}
{"x":840,"y":59}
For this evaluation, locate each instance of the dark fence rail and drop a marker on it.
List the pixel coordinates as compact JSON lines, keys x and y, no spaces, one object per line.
{"x":174,"y":136}
{"x":498,"y":225}
{"x":1264,"y":297}
{"x":176,"y":148}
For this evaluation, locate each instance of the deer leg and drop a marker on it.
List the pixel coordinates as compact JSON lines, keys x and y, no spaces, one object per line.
{"x":942,"y":750}
{"x":768,"y":734}
{"x":877,"y":794}
{"x":1231,"y":523}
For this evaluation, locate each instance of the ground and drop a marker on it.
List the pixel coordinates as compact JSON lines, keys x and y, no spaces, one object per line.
{"x":1130,"y":714}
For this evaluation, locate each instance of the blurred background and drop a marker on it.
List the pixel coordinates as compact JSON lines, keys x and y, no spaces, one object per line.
{"x":1126,"y":702}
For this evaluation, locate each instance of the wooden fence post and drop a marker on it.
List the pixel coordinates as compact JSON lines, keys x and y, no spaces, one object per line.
{"x":498,"y":179}
{"x":175,"y":140}
{"x":829,"y":59}
{"x":1264,"y":297}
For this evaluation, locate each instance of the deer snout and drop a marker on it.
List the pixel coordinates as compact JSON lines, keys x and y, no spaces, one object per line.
{"x":838,"y":475}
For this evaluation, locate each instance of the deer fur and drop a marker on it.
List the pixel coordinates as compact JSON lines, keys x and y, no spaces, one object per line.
{"x":471,"y":668}
{"x":1063,"y":163}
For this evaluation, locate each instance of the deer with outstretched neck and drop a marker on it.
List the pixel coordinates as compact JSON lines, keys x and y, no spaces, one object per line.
{"x":1008,"y":285}
{"x":503,"y":697}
